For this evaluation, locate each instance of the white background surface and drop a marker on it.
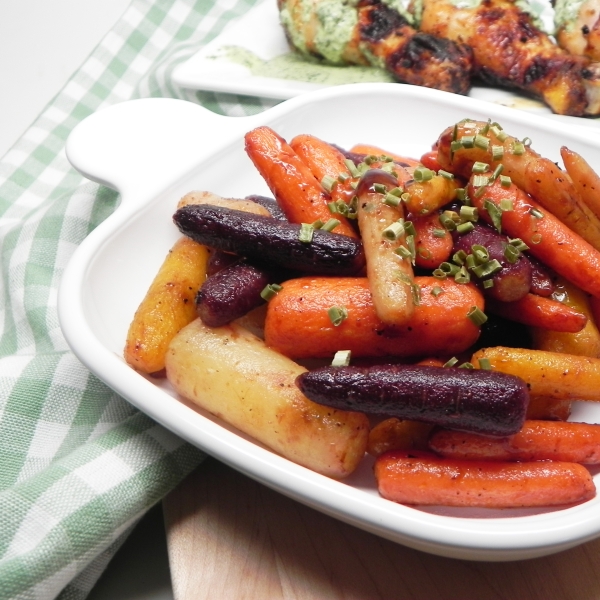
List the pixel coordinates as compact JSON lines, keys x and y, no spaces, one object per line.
{"x":42,"y":42}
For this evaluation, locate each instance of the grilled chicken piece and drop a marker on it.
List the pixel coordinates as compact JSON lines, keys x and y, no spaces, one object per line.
{"x":578,"y":26}
{"x":372,"y":33}
{"x":510,"y":51}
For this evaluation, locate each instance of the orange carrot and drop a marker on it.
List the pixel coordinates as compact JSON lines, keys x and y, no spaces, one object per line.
{"x":298,"y":324}
{"x":430,"y":160}
{"x":299,"y":194}
{"x":549,"y":409}
{"x":537,"y":311}
{"x":585,"y":180}
{"x":433,"y":244}
{"x":397,"y":434}
{"x":425,"y":197}
{"x":431,"y":480}
{"x":548,"y":239}
{"x":537,"y":440}
{"x":369,"y":149}
{"x":322,"y":158}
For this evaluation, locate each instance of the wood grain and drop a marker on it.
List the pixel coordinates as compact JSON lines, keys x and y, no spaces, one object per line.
{"x":232,"y":538}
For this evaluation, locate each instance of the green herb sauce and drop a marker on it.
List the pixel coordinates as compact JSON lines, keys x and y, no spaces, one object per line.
{"x":297,"y":67}
{"x":566,"y":12}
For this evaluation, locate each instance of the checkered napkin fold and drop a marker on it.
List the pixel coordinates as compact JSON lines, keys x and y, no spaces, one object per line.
{"x":80,"y":466}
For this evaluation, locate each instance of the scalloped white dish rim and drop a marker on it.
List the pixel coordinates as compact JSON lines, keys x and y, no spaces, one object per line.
{"x":152,"y":151}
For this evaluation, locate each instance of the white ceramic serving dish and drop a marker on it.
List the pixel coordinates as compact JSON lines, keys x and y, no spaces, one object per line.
{"x":212,"y":69}
{"x":153,"y":151}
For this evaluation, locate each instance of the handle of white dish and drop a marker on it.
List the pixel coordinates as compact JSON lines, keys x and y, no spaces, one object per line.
{"x":139,"y":146}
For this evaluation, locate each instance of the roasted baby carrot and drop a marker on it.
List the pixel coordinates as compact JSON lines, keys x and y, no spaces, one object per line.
{"x":537,"y":440}
{"x":430,"y":160}
{"x":549,"y":409}
{"x":585,"y":179}
{"x":398,"y":434}
{"x":548,"y":239}
{"x":167,"y":307}
{"x":540,"y":312}
{"x":548,"y":374}
{"x":425,"y":197}
{"x":298,"y":192}
{"x":390,"y":274}
{"x":323,"y":159}
{"x":433,"y":244}
{"x":535,"y":175}
{"x":431,"y":480}
{"x":299,"y":324}
{"x":585,"y":342}
{"x":369,"y":149}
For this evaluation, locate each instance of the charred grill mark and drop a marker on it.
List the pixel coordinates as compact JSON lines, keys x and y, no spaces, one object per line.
{"x":379,"y":23}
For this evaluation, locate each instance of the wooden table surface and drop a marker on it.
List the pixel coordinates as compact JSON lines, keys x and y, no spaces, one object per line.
{"x":232,"y":538}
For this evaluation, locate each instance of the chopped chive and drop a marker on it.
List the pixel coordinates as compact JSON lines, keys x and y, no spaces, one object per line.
{"x":341,"y":358}
{"x":488,"y":283}
{"x":518,"y":148}
{"x":488,"y":268}
{"x":370,"y":159}
{"x":333,"y":207}
{"x":495,"y":214}
{"x":317,"y":224}
{"x":328,"y":183}
{"x":410,"y":244}
{"x":391,"y":200}
{"x":518,"y":243}
{"x":506,"y":204}
{"x":337,"y":314}
{"x":505,"y":181}
{"x":270,"y":291}
{"x":480,"y":181}
{"x":343,"y":177}
{"x":461,"y":194}
{"x":480,"y":167}
{"x":466,"y":365}
{"x":511,"y":254}
{"x":451,"y":362}
{"x":448,"y":268}
{"x":482,"y":142}
{"x":468,"y":141}
{"x":416,"y":293}
{"x":470,"y":262}
{"x":459,"y":257}
{"x":423,"y":174}
{"x":465,"y":227}
{"x":439,"y":274}
{"x":536,"y":238}
{"x":480,"y":253}
{"x":379,"y":188}
{"x":477,"y":316}
{"x":354,"y":184}
{"x":497,"y":171}
{"x":394,"y":231}
{"x":397,"y":191}
{"x":306,"y":233}
{"x":352,"y":167}
{"x":484,"y":130}
{"x":405,"y":197}
{"x":330,"y":225}
{"x":436,"y":291}
{"x":439,"y":233}
{"x":403,"y":252}
{"x":445,"y":174}
{"x":497,"y":152}
{"x":469,"y":213}
{"x":462,"y":276}
{"x":485,"y":364}
{"x":527,"y":142}
{"x":455,"y":146}
{"x":409,"y":228}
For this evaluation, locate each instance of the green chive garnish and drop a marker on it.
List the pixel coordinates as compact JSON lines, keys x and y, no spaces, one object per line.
{"x":477,"y":316}
{"x":270,"y":291}
{"x":341,"y":358}
{"x":330,"y":225}
{"x":393,"y":232}
{"x":451,"y":362}
{"x":306,"y":233}
{"x":337,"y":314}
{"x":423,"y":174}
{"x":480,"y":167}
{"x":485,"y":364}
{"x":328,"y":182}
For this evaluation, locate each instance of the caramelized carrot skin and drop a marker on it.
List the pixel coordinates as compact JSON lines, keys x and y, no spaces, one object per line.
{"x":431,"y":480}
{"x":537,"y":440}
{"x":369,"y":149}
{"x":537,"y":311}
{"x":298,"y":326}
{"x":433,"y":242}
{"x":290,"y":180}
{"x":322,"y":158}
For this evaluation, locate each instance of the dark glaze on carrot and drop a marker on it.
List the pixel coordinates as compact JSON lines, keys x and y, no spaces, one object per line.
{"x":467,"y":399}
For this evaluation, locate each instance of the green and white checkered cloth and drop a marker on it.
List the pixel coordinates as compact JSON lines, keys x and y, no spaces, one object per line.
{"x":78,"y":465}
